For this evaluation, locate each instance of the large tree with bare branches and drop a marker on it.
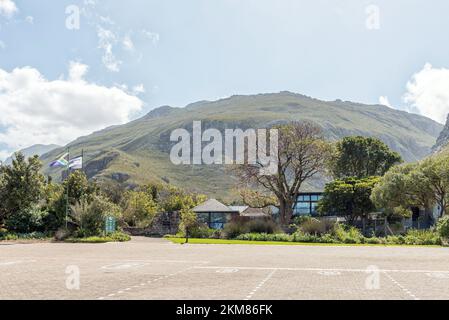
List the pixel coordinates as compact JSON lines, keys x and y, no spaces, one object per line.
{"x":302,"y":153}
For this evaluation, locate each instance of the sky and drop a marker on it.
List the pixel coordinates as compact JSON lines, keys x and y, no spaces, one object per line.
{"x":71,"y":67}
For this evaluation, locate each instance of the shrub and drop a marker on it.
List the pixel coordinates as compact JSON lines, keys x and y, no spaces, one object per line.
{"x":24,"y":236}
{"x":298,"y":220}
{"x":347,"y":234}
{"x":238,"y":227}
{"x":443,"y":227}
{"x":280,"y":237}
{"x":262,"y":226}
{"x":316,"y":227}
{"x":422,"y":237}
{"x":90,"y":217}
{"x":26,"y":220}
{"x":395,"y":240}
{"x":62,"y":234}
{"x":201,"y":232}
{"x":312,"y":238}
{"x":374,"y":240}
{"x":235,"y":228}
{"x":119,"y":237}
{"x":113,"y":237}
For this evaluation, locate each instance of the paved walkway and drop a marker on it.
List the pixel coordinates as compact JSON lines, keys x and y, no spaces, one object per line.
{"x":157,"y":269}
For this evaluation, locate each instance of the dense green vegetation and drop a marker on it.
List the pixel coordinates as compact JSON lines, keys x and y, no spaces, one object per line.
{"x":349,"y":198}
{"x":32,"y":207}
{"x":423,"y":184}
{"x":310,"y":230}
{"x":362,"y":157}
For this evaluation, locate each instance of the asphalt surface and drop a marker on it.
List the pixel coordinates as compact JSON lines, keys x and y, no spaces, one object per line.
{"x":157,"y":269}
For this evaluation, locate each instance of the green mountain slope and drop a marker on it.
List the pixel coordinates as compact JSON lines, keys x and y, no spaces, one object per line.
{"x":138,"y":152}
{"x":37,"y":149}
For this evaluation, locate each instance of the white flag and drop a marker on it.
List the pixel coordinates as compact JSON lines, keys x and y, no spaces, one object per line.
{"x":76,"y":163}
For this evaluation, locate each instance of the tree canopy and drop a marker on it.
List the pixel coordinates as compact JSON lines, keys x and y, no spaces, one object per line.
{"x":349,"y":198}
{"x":423,"y":185}
{"x":362,"y":157}
{"x":21,"y":185}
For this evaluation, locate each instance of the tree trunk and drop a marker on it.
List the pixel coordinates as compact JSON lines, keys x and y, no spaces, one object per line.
{"x":285,"y":211}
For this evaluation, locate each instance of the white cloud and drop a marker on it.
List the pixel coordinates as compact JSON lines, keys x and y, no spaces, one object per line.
{"x":128,"y":43}
{"x":428,"y":93}
{"x":383,"y":100}
{"x":2,"y":45}
{"x":36,"y":110}
{"x":139,"y":89}
{"x":106,"y":41}
{"x":8,"y":8}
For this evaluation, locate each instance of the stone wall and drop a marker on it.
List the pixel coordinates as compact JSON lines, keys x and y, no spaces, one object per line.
{"x":163,"y":224}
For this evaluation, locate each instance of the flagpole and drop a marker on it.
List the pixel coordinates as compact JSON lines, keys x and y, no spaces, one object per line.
{"x":67,"y":190}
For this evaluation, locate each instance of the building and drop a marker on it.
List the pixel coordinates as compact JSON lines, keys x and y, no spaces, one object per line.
{"x":216,"y":215}
{"x":307,"y":204}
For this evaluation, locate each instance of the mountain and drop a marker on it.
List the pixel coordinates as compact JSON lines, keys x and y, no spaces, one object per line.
{"x":443,"y":138}
{"x":138,"y":152}
{"x":37,"y":149}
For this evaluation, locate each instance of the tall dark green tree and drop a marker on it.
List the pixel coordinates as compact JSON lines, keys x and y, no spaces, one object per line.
{"x":349,"y":198}
{"x":21,"y":185}
{"x":362,"y":157}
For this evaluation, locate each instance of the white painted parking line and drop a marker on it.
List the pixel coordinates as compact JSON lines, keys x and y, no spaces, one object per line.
{"x":260,"y":285}
{"x":329,"y":273}
{"x":331,"y":270}
{"x":124,"y":266}
{"x":11,"y":263}
{"x":120,"y":292}
{"x":405,"y":290}
{"x":228,"y":271}
{"x":438,"y":275}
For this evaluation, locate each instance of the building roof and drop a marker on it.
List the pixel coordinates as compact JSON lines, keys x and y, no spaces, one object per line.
{"x":238,"y":209}
{"x":212,"y":205}
{"x":254,"y":213}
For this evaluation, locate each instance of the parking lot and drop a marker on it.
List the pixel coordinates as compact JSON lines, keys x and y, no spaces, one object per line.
{"x":157,"y":269}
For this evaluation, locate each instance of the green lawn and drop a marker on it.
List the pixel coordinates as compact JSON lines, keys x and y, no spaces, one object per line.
{"x":281,"y":243}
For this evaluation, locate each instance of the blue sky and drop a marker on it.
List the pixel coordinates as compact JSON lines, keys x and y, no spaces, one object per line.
{"x":147,"y":53}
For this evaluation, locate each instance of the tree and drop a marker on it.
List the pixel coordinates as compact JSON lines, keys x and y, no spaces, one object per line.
{"x":22,"y":185}
{"x":402,"y":188}
{"x":27,"y":220}
{"x":78,"y":187}
{"x":302,"y":154}
{"x":89,"y":216}
{"x":362,"y":157}
{"x":436,"y":171}
{"x":349,"y":197}
{"x":139,"y":209}
{"x":174,"y":199}
{"x":188,"y":221}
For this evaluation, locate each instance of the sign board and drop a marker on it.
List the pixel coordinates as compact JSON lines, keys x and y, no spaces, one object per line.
{"x":111,"y":224}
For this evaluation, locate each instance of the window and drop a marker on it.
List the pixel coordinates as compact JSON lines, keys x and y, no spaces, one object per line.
{"x":203,"y":218}
{"x":307,"y":204}
{"x":214,"y":220}
{"x":218,"y":220}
